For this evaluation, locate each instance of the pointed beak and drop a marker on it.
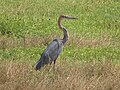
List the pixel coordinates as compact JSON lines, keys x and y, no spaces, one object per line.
{"x":70,"y":17}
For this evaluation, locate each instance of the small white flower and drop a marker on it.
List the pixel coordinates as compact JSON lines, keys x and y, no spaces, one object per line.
{"x":82,"y":54}
{"x":68,"y":52}
{"x":67,"y":77}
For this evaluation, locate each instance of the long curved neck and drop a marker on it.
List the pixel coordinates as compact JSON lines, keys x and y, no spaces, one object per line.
{"x":65,"y":38}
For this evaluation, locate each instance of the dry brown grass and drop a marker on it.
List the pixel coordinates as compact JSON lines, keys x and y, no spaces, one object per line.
{"x":103,"y":40}
{"x":27,"y":41}
{"x":6,"y":42}
{"x":91,"y":76}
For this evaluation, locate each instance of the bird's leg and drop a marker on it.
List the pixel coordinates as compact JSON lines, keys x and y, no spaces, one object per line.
{"x":50,"y":62}
{"x":54,"y":64}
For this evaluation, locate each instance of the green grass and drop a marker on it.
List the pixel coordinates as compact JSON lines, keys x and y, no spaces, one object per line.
{"x":27,"y":27}
{"x":39,"y":18}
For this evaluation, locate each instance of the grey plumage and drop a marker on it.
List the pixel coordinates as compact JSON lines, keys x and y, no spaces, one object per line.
{"x":50,"y":54}
{"x":54,"y":49}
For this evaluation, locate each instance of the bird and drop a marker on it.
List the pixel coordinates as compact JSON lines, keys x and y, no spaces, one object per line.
{"x":51,"y":53}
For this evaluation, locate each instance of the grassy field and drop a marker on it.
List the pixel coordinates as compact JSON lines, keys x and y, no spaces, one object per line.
{"x":90,"y":59}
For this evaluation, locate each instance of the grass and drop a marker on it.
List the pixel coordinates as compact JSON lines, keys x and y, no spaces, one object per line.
{"x":90,"y":59}
{"x":89,"y":76}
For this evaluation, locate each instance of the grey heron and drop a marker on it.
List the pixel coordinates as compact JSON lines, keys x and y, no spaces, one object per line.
{"x":54,"y":49}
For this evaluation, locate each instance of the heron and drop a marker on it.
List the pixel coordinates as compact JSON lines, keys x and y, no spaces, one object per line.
{"x":51,"y":53}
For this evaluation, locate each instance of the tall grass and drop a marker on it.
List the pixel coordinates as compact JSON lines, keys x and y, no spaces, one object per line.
{"x":89,"y":76}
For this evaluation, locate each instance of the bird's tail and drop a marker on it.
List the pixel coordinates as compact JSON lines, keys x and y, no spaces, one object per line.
{"x":39,"y":64}
{"x":42,"y":61}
